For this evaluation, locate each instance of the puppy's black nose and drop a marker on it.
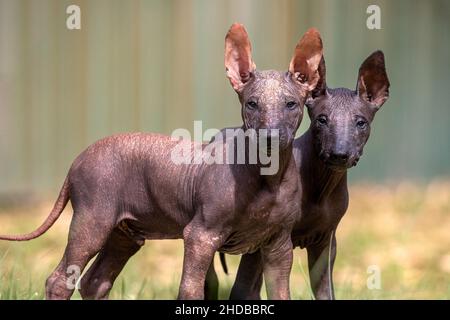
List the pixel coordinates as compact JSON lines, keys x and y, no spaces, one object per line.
{"x":338,"y":158}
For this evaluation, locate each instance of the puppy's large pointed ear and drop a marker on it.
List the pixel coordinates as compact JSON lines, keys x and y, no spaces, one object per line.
{"x":321,"y":86}
{"x":238,"y":56}
{"x":373,"y":83}
{"x":305,"y":62}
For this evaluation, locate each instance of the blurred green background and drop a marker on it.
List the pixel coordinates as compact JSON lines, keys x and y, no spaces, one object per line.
{"x":157,"y":65}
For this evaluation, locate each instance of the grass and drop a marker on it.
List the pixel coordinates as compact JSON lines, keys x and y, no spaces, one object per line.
{"x":402,"y":229}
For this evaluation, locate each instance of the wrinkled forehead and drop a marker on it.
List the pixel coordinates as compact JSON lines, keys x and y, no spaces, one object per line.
{"x":341,"y":103}
{"x":271,"y":86}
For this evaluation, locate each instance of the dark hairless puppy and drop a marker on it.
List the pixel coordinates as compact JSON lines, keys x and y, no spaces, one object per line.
{"x":126,"y":188}
{"x":340,"y":127}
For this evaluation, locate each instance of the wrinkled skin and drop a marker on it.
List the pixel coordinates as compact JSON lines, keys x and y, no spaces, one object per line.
{"x":340,"y":127}
{"x":125,"y":189}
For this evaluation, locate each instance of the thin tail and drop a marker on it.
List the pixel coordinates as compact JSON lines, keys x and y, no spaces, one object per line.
{"x":223,"y":262}
{"x":59,"y":206}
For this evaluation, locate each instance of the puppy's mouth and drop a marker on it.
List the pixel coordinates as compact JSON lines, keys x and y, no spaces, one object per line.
{"x":338,"y":165}
{"x":273,"y":144}
{"x":355,"y":162}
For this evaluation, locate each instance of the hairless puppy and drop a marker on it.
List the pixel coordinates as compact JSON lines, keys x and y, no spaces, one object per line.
{"x":340,"y":127}
{"x":125,"y":189}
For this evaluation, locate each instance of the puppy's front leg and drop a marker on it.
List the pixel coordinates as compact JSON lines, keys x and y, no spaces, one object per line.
{"x":277,"y":261}
{"x":321,"y":259}
{"x":247,"y":285}
{"x":200,"y":245}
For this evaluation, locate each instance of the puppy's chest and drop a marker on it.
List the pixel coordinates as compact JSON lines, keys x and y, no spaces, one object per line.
{"x":261,"y":220}
{"x":272,"y":207}
{"x":316,"y":223}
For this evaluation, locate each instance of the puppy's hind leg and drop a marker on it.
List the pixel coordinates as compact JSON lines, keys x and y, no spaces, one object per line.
{"x":100,"y":277}
{"x":87,"y":236}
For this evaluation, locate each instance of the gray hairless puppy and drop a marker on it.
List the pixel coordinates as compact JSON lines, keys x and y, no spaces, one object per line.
{"x":340,"y":127}
{"x":125,"y":189}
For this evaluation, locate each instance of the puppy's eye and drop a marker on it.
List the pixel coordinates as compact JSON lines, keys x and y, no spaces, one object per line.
{"x":322,"y":120}
{"x":252,"y":105}
{"x":361,"y":124}
{"x":291,"y":105}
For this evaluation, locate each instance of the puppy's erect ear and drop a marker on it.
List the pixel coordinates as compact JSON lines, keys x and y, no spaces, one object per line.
{"x":321,"y":86}
{"x":238,"y":56}
{"x":373,"y":83}
{"x":305,"y":62}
